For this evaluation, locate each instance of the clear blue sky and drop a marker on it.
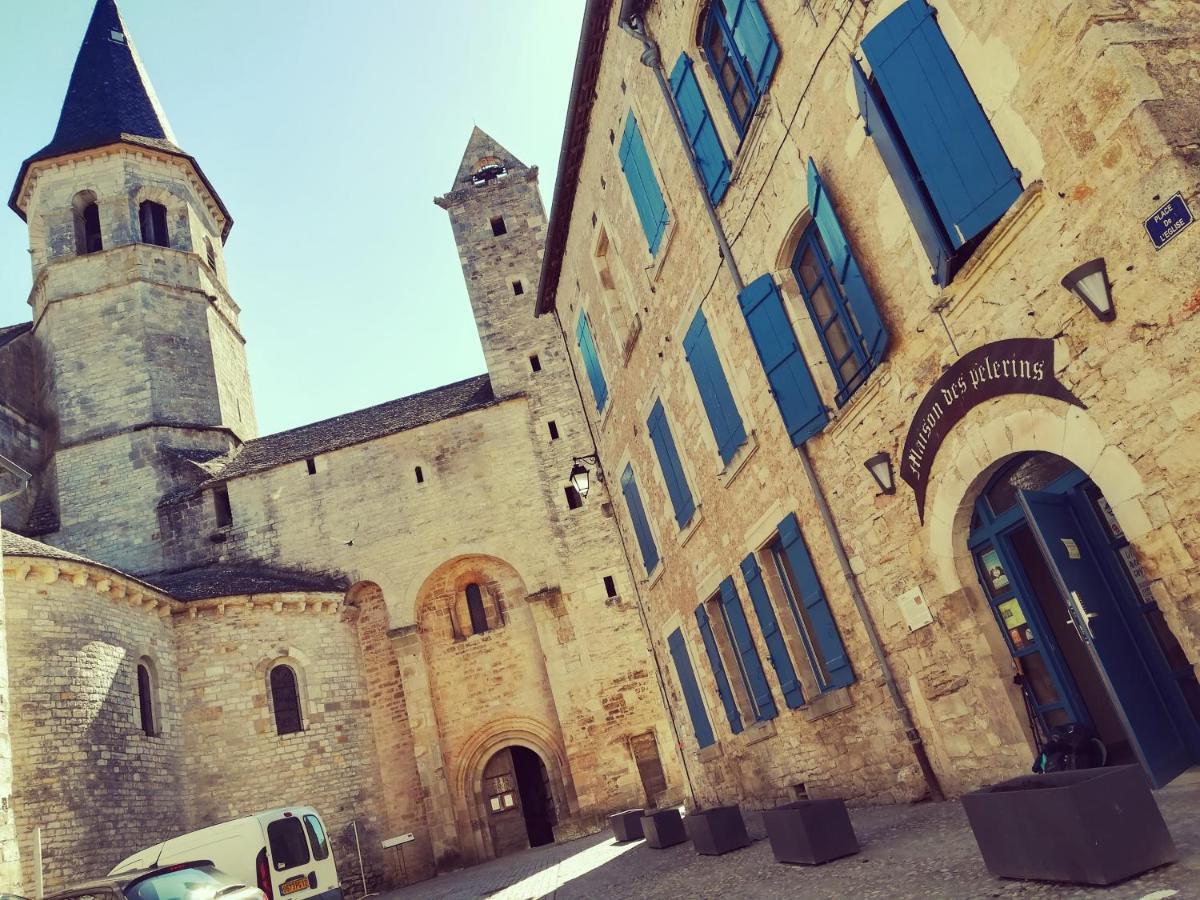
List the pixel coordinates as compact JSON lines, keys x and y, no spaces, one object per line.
{"x":327,"y":128}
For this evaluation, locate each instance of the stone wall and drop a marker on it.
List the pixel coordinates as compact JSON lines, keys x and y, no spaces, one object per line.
{"x":83,"y":769}
{"x":1080,"y":100}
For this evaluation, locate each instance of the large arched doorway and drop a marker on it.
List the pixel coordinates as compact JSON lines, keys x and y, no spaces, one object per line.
{"x":1083,"y":627}
{"x":520,"y":804}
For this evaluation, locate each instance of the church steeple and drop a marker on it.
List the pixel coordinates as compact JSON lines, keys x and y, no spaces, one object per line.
{"x":109,"y":101}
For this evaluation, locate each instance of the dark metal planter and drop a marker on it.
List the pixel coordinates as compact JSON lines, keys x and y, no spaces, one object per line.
{"x":810,"y":831}
{"x":627,"y":825}
{"x":1091,"y":826}
{"x":717,"y":830}
{"x":663,"y":828}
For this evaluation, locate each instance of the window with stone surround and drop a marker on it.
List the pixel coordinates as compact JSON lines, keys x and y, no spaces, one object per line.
{"x":476,"y":610}
{"x":742,"y":55}
{"x":153,"y":220}
{"x":498,"y":226}
{"x":147,"y":697}
{"x":222,"y":507}
{"x":87,"y":224}
{"x":285,"y":699}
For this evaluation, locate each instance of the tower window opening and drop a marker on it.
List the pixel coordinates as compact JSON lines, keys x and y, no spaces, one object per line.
{"x":574,"y":501}
{"x":153,"y":219}
{"x":211,"y":253}
{"x":610,"y":586}
{"x":498,"y":226}
{"x":479,"y":622}
{"x":311,"y":464}
{"x":518,"y":288}
{"x":553,"y":430}
{"x":420,"y":475}
{"x":285,"y":700}
{"x":487,"y":168}
{"x":535,"y":363}
{"x":92,"y":242}
{"x":223,"y":508}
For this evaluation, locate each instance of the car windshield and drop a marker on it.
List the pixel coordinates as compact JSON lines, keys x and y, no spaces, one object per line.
{"x":192,"y":883}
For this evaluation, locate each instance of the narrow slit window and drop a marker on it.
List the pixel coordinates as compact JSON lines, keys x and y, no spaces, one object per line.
{"x":535,"y":364}
{"x":498,"y":226}
{"x":479,"y":622}
{"x":210,"y":253}
{"x":311,"y":464}
{"x":574,"y":501}
{"x":518,"y":288}
{"x":420,"y":475}
{"x":145,"y":684}
{"x":92,"y":242}
{"x":153,"y":219}
{"x":610,"y":586}
{"x":223,"y":508}
{"x":553,"y":430}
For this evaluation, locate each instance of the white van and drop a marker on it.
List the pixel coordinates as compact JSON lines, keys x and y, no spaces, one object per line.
{"x":285,"y":852}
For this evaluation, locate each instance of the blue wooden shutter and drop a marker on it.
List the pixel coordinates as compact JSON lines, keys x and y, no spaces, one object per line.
{"x":722,"y":412}
{"x":777,"y":650}
{"x":743,"y":643}
{"x":967,"y":172}
{"x":641,"y":526}
{"x":591,"y":361}
{"x":754,"y":40}
{"x":668,"y":460}
{"x":825,"y":634}
{"x":643,"y":185}
{"x":702,"y":134}
{"x":845,"y":268}
{"x":889,"y":143}
{"x":718,"y":668}
{"x":701,"y":727}
{"x":791,"y":383}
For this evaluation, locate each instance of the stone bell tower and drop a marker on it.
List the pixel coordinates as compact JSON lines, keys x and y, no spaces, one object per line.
{"x":143,"y":366}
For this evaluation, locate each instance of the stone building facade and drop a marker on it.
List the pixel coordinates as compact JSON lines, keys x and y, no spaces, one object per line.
{"x":789,"y":239}
{"x":403,"y":616}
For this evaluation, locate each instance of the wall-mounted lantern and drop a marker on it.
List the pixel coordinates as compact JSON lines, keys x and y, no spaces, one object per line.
{"x":1089,"y":282}
{"x":880,"y":467}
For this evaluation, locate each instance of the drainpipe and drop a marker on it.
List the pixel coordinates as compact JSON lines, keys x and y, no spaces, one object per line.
{"x":633,"y":23}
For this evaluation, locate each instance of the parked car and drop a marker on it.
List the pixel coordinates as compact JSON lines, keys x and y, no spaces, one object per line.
{"x":284,"y":852}
{"x":195,"y":880}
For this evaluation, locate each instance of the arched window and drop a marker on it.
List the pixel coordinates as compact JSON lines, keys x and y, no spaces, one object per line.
{"x":153,"y":219}
{"x":285,"y":699}
{"x":146,"y":705}
{"x":479,"y":622}
{"x":87,"y":224}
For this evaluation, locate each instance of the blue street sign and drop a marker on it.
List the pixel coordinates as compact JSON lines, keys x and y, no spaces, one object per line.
{"x":1168,"y":221}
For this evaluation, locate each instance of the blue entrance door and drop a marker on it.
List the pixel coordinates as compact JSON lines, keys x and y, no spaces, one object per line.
{"x":1096,"y":615}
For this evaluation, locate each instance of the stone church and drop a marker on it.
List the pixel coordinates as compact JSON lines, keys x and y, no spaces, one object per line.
{"x":405,"y":616}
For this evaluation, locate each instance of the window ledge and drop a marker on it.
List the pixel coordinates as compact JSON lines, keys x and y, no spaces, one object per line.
{"x":735,"y":466}
{"x":654,"y":270}
{"x":685,"y":533}
{"x":709,"y":753}
{"x":749,"y":141}
{"x":827,"y":704}
{"x":863,"y":400}
{"x":759,"y":731}
{"x":656,"y":576}
{"x":990,"y":253}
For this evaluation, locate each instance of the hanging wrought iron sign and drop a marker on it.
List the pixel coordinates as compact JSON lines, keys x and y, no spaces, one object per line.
{"x":1014,"y":366}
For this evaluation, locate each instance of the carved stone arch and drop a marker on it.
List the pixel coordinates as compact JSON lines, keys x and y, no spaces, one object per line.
{"x":442,"y":594}
{"x":485,"y":743}
{"x":404,"y":599}
{"x":791,"y":240}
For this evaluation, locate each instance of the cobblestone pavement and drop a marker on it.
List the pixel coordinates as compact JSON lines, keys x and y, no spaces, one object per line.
{"x":922,"y":851}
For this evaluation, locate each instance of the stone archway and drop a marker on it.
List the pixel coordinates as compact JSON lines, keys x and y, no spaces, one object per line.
{"x":482,"y":747}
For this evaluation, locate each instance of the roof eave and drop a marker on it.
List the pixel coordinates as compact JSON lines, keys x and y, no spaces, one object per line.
{"x":23,"y":175}
{"x":575,"y":131}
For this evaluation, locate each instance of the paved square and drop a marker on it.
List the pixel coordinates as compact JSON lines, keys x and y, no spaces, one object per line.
{"x":923,"y":851}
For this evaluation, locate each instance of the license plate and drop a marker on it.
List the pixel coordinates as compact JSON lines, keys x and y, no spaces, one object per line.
{"x":292,"y":885}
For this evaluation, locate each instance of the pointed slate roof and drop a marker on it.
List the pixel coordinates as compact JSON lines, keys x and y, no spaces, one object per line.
{"x":482,"y":144}
{"x":109,"y":101}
